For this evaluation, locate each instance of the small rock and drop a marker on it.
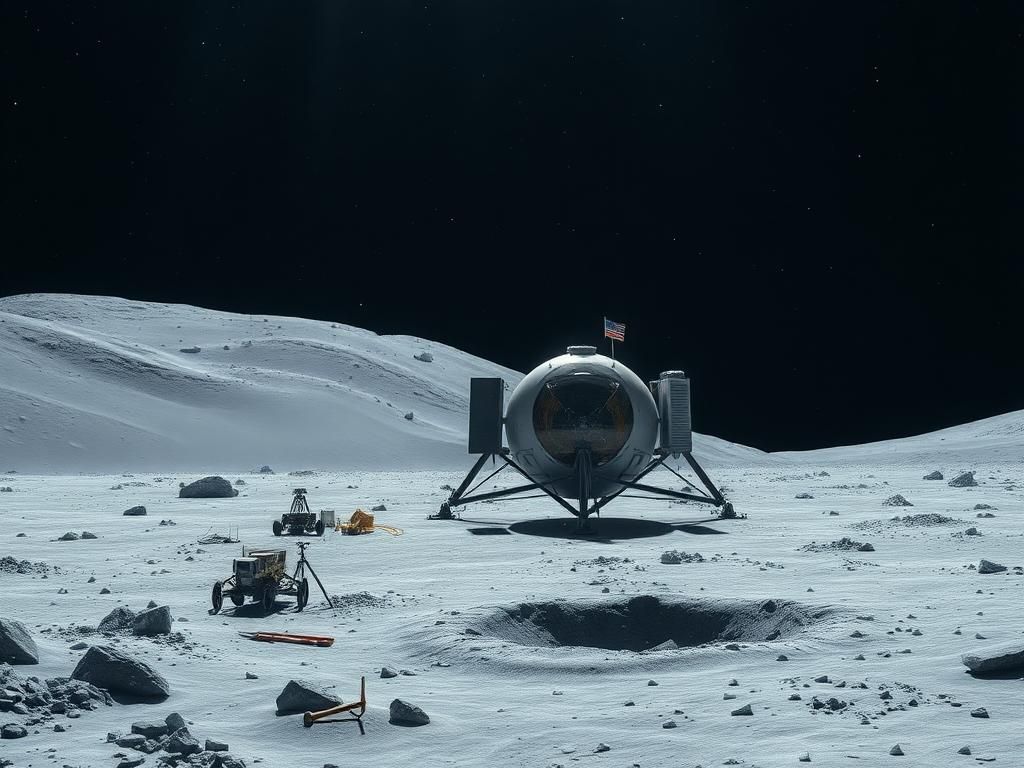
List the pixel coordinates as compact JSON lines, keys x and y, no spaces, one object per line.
{"x":804,"y":496}
{"x":304,"y":696}
{"x":987,"y":566}
{"x":150,"y":729}
{"x":896,"y":751}
{"x":602,"y":747}
{"x":744,"y":710}
{"x":388,"y":672}
{"x":182,"y":742}
{"x":964,"y":480}
{"x":964,"y":750}
{"x":251,"y":676}
{"x":138,"y":511}
{"x":972,"y":531}
{"x":409,"y":416}
{"x":89,"y":535}
{"x":153,"y":621}
{"x":866,"y":547}
{"x":174,"y":722}
{"x":782,"y":657}
{"x":406,"y":713}
{"x":936,"y":475}
{"x":669,"y":724}
{"x":980,"y":712}
{"x":216,"y":746}
{"x":13,"y":731}
{"x":69,"y":536}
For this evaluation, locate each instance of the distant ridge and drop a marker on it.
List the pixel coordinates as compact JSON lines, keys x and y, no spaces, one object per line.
{"x":102,"y":384}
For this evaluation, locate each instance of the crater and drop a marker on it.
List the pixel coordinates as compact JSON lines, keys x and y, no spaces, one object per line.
{"x":647,"y":623}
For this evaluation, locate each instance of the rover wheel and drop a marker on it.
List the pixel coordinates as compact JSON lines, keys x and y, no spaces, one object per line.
{"x":236,"y":598}
{"x":303,"y":593}
{"x":217,"y":598}
{"x":319,"y":528}
{"x":269,"y":596}
{"x":278,"y":528}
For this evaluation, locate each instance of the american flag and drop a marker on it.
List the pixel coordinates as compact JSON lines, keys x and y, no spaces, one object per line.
{"x":614,"y":331}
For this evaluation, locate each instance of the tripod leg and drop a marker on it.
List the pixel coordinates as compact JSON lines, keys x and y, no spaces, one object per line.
{"x":320,"y":584}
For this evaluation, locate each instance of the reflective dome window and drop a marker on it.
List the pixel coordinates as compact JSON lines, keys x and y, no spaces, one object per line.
{"x":586,"y":411}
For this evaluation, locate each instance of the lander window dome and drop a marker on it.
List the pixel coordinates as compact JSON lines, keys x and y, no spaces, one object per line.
{"x":583,"y":410}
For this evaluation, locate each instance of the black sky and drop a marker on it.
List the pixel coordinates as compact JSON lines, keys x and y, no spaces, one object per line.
{"x":814,"y":208}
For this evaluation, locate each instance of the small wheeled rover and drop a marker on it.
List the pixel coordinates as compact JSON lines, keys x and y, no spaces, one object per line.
{"x":260,"y":574}
{"x":300,"y":519}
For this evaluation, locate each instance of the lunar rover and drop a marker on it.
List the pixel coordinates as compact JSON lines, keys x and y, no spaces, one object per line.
{"x":260,"y":574}
{"x":300,"y":519}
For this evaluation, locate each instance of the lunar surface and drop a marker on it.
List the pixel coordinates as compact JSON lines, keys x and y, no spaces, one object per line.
{"x":830,"y":625}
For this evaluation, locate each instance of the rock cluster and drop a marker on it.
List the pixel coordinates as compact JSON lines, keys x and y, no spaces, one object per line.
{"x":38,"y":701}
{"x":675,"y":557}
{"x":172,"y":735}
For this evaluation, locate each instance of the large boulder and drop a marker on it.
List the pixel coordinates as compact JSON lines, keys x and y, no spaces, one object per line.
{"x":406,"y":713}
{"x":155,"y":621}
{"x":213,"y":487}
{"x":109,"y":668}
{"x":16,"y":644}
{"x":303,"y":696}
{"x":1000,"y":658}
{"x":118,"y":619}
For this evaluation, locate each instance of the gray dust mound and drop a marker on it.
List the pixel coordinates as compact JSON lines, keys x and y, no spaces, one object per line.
{"x":10,"y":564}
{"x":645,"y":622}
{"x":897,"y":500}
{"x":844,"y":544}
{"x":923,"y":520}
{"x":213,"y":487}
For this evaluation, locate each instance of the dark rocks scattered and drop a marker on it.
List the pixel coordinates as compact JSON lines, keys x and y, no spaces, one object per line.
{"x":303,"y":696}
{"x":110,"y":668}
{"x":138,"y":511}
{"x":936,"y":475}
{"x":965,"y":480}
{"x":675,"y":557}
{"x":406,"y":713}
{"x":897,"y":500}
{"x":154,"y":621}
{"x":16,"y":644}
{"x":987,"y":566}
{"x":212,"y":487}
{"x":1001,"y":658}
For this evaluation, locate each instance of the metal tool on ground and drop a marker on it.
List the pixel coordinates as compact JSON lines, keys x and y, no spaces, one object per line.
{"x":363,"y":522}
{"x":301,"y":519}
{"x":219,"y":538}
{"x":320,"y":641}
{"x":260,"y":574}
{"x":311,"y":717}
